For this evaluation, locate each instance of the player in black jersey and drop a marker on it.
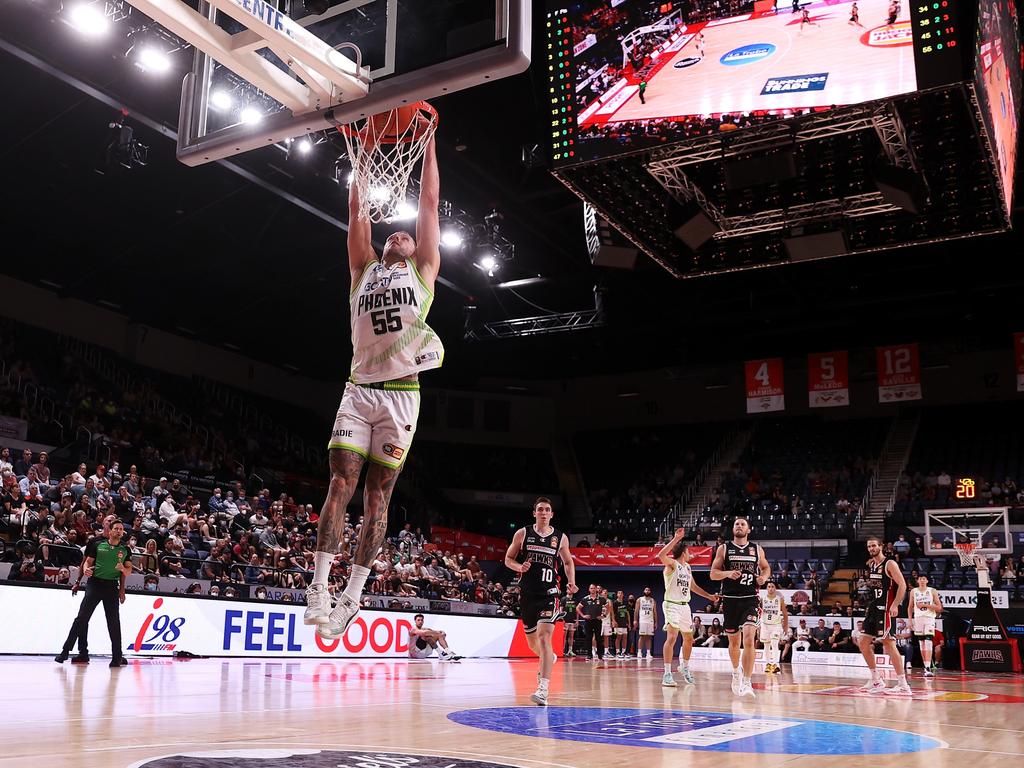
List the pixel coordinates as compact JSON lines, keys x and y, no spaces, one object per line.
{"x":569,"y":624}
{"x":879,"y":619}
{"x":741,"y":566}
{"x":621,"y":624}
{"x":533,"y":554}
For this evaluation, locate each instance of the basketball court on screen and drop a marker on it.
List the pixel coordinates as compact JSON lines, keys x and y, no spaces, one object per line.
{"x":774,"y":62}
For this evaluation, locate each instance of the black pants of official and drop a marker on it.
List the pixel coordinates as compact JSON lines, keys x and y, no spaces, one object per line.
{"x":593,"y":632}
{"x":98,"y":591}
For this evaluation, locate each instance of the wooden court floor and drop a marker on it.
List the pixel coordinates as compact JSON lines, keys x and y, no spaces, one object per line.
{"x":601,"y":714}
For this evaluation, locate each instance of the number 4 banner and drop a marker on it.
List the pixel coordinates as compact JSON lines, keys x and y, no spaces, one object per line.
{"x":764,"y":385}
{"x":1018,"y":346}
{"x":899,"y":373}
{"x":828,"y":383}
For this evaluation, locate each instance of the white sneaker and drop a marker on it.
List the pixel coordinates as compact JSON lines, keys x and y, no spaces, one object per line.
{"x":900,"y":689}
{"x":687,"y":675}
{"x":540,"y":697}
{"x":737,"y":684}
{"x":873,"y":686}
{"x":342,"y":615}
{"x":747,"y":690}
{"x":318,"y":605}
{"x":668,"y":681}
{"x":929,"y":673}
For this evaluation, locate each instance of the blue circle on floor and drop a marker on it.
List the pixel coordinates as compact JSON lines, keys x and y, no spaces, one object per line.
{"x":702,"y":731}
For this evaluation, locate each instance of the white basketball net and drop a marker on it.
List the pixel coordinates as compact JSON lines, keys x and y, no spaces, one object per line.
{"x":383,"y":161}
{"x":966,"y":552}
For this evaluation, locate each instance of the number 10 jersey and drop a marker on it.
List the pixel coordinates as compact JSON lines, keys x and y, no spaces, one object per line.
{"x":542,"y":552}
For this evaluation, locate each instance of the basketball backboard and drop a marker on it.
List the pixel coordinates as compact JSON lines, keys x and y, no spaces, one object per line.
{"x":264,"y":72}
{"x":988,"y":528}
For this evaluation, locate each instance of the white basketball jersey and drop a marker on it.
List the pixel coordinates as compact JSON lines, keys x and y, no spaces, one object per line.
{"x":646,"y":608}
{"x":677,"y":583}
{"x":771,"y":610}
{"x":390,"y":335}
{"x":922,"y":602}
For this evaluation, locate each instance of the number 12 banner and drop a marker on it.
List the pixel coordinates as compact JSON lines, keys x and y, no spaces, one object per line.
{"x":828,"y":380}
{"x":764,"y":385}
{"x":899,"y":373}
{"x":1018,"y":347}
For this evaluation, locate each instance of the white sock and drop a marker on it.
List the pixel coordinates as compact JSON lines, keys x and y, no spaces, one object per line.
{"x":683,"y":663}
{"x":543,"y":684}
{"x":668,"y":669}
{"x":901,"y":680}
{"x":322,"y":568}
{"x":356,"y":581}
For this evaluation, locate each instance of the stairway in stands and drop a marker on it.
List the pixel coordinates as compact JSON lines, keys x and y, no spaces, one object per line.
{"x":891,"y":463}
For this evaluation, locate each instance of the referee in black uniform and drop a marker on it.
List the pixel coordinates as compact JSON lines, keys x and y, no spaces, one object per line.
{"x":591,"y":607}
{"x":107,"y":564}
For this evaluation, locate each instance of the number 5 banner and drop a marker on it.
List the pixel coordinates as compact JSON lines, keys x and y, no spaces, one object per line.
{"x":899,"y":373}
{"x":828,"y":383}
{"x":764,"y":385}
{"x":1018,"y":346}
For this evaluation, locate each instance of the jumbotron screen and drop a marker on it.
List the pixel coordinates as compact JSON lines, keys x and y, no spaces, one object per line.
{"x":626,"y":74}
{"x":997,"y":73}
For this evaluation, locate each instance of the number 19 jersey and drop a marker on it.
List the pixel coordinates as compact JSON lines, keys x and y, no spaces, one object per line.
{"x":390,"y":335}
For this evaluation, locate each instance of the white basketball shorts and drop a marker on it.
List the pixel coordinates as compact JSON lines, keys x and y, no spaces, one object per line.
{"x":378,"y":421}
{"x":606,"y":627}
{"x":769,"y":630}
{"x":924,"y":626}
{"x":420,"y":653}
{"x":646,"y":628}
{"x":678,"y":616}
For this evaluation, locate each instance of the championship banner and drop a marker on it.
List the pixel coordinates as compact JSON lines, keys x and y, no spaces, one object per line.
{"x":1018,"y":347}
{"x":899,"y":373}
{"x":764,"y":385}
{"x":636,"y":557}
{"x":12,"y":428}
{"x":828,"y":380}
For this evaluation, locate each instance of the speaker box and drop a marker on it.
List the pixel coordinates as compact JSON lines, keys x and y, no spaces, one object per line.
{"x":901,"y":187}
{"x":617,"y":256}
{"x":697,"y":227}
{"x":763,"y":169}
{"x":818,"y":246}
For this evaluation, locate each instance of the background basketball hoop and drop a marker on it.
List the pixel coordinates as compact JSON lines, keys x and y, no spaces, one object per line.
{"x":384,"y":148}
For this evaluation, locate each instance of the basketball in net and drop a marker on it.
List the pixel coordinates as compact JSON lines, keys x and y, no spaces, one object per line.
{"x":384,"y":148}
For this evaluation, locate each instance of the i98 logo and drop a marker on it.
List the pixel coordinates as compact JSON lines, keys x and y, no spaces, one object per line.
{"x":158,"y":632}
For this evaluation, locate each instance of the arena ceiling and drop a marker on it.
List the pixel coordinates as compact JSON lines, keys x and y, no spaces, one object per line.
{"x":252,"y":255}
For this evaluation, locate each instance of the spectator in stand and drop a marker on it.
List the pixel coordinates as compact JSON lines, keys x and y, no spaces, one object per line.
{"x":838,"y":641}
{"x":700,"y":632}
{"x":5,"y":460}
{"x":30,"y":479}
{"x":22,"y":465}
{"x":803,"y":637}
{"x":216,"y":502}
{"x":714,"y":638}
{"x":901,"y":546}
{"x":835,"y":610}
{"x":171,"y":564}
{"x":258,"y":521}
{"x":784,"y":581}
{"x":159,"y":493}
{"x":856,"y":634}
{"x":820,"y":636}
{"x":28,"y":564}
{"x":42,"y":469}
{"x":149,"y":561}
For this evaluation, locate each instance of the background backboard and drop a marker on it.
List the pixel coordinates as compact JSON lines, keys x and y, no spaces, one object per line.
{"x":414,"y":49}
{"x":986,"y":527}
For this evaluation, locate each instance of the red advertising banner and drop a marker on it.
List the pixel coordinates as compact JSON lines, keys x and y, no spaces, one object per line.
{"x":484,"y":547}
{"x":899,"y":373}
{"x":1018,"y":348}
{"x":637,"y":557}
{"x":828,"y":379}
{"x":764,"y":385}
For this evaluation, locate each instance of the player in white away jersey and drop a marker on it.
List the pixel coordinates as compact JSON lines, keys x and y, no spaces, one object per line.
{"x":774,"y":617}
{"x":679,"y":585}
{"x":925,"y":605}
{"x":646,"y":619}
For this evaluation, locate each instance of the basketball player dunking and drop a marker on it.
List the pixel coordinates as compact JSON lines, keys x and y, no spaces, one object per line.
{"x":645,"y":617}
{"x":741,"y":566}
{"x":391,"y":344}
{"x":678,"y":620}
{"x":532,"y":554}
{"x":774,"y":617}
{"x":925,"y":605}
{"x":883,"y":608}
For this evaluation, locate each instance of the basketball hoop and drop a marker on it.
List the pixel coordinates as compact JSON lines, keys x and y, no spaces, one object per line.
{"x":383,"y":149}
{"x":966,"y":551}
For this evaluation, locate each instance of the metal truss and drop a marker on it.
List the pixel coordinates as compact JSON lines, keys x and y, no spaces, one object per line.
{"x":893,"y":136}
{"x":868,"y":204}
{"x":672,"y":178}
{"x":537,"y":326}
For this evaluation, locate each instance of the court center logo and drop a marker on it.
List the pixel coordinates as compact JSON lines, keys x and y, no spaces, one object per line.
{"x":747,"y":54}
{"x":888,"y":35}
{"x":308,"y":758}
{"x":159,"y":632}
